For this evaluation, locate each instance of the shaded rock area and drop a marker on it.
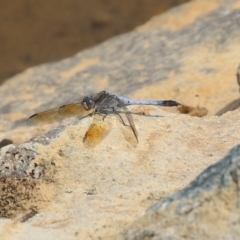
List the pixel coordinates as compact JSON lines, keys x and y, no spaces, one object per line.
{"x":208,"y":208}
{"x":35,"y":32}
{"x":65,"y":190}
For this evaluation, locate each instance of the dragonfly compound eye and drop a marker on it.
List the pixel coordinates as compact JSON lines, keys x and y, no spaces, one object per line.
{"x":88,"y":103}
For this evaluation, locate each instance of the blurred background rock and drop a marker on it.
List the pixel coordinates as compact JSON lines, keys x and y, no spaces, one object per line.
{"x":34,"y":32}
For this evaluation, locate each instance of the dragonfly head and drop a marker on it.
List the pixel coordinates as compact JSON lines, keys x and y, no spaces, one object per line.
{"x":88,"y":103}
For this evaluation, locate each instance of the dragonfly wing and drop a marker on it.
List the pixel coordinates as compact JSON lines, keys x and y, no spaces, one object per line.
{"x":59,"y":114}
{"x":129,"y":117}
{"x":74,"y":110}
{"x":98,"y":130}
{"x":127,"y":131}
{"x":46,"y":117}
{"x":132,"y":125}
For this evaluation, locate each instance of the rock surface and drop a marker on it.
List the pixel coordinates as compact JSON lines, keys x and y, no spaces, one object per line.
{"x":55,"y":187}
{"x":208,"y":208}
{"x":83,"y":193}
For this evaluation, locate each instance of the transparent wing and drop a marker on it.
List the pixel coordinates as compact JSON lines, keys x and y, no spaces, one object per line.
{"x":127,"y":131}
{"x":123,"y":108}
{"x":59,"y":114}
{"x":46,"y":117}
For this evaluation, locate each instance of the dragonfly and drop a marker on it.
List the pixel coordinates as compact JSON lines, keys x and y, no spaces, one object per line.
{"x":98,"y":105}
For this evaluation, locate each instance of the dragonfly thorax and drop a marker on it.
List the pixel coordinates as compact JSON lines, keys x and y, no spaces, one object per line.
{"x":88,"y":103}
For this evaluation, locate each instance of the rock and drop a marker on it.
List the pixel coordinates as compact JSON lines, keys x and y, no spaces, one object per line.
{"x":20,"y":191}
{"x":5,"y":142}
{"x":81,"y":192}
{"x":208,"y":208}
{"x":235,"y":103}
{"x":112,"y":183}
{"x":189,"y":56}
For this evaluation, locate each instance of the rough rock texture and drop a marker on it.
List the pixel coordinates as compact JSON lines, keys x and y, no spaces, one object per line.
{"x":95,"y":193}
{"x":84,"y":193}
{"x":208,"y":208}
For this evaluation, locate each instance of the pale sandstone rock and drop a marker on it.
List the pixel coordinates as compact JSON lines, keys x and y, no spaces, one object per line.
{"x":82,"y":193}
{"x":99,"y":192}
{"x":208,"y":208}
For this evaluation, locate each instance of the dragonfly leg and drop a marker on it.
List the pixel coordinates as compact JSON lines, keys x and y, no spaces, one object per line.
{"x":112,"y":111}
{"x":120,"y":117}
{"x":104,"y":116}
{"x":106,"y":112}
